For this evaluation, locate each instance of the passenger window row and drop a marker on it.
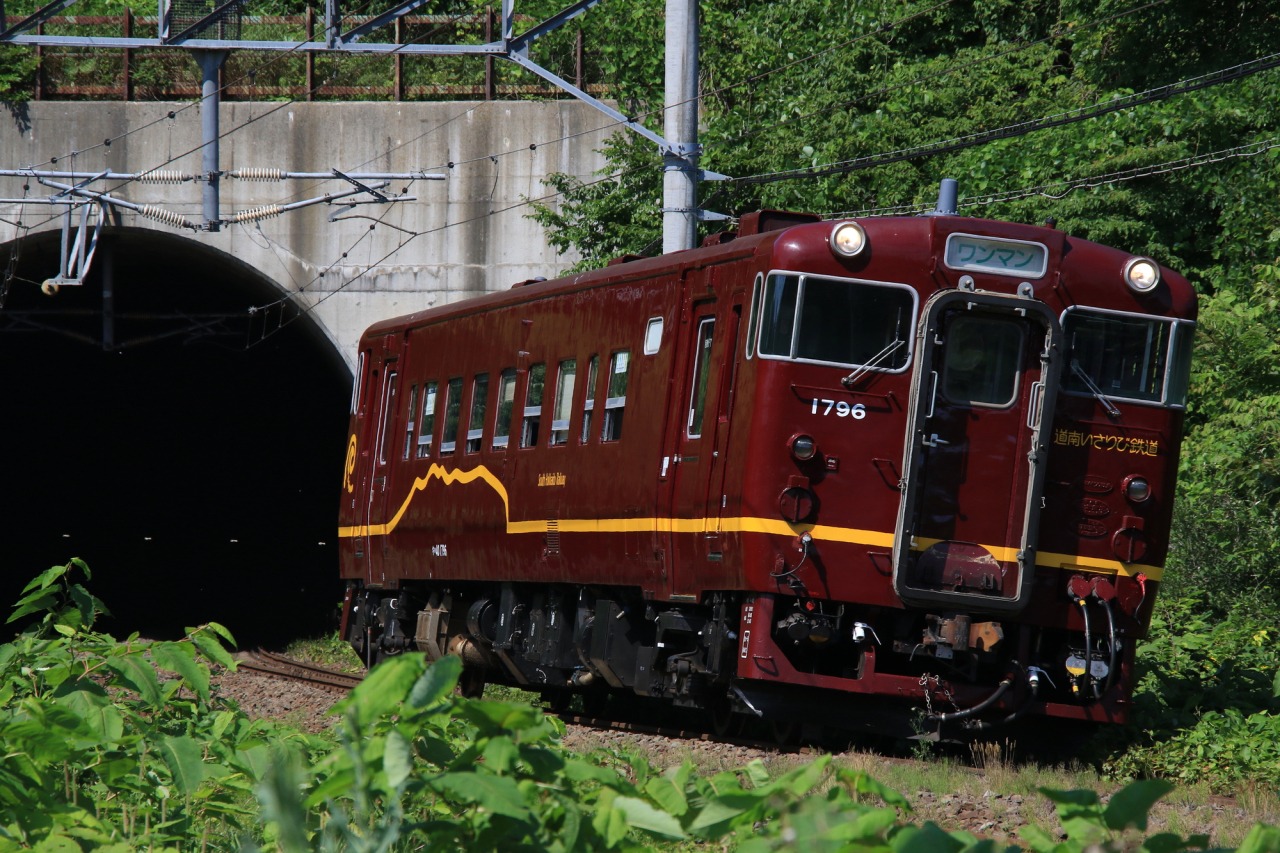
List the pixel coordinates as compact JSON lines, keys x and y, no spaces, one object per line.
{"x":442,"y":407}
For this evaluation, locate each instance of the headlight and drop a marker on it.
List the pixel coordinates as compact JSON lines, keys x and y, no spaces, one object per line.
{"x":1142,"y":274}
{"x":803,"y":447}
{"x":848,"y":239}
{"x":1137,"y":489}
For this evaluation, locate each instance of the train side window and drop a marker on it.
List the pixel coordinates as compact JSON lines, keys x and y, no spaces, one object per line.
{"x":388,"y":414}
{"x":452,"y":414}
{"x":479,"y":399}
{"x":616,"y":398}
{"x":428,"y":419}
{"x":653,"y":336}
{"x":983,"y":361}
{"x":533,"y":405}
{"x":506,"y":402}
{"x":564,"y":402}
{"x":357,"y":386}
{"x":409,"y":421}
{"x":589,"y":405}
{"x":701,"y":373}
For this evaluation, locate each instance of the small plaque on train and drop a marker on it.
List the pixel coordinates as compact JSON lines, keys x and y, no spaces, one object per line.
{"x":1002,"y":257}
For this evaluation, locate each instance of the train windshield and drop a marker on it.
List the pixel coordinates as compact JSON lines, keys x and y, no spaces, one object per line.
{"x":1127,"y":356}
{"x":836,"y":321}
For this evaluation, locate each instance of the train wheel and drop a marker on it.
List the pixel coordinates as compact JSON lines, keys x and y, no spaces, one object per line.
{"x":470,"y":683}
{"x":785,"y":732}
{"x":557,"y":700}
{"x":724,"y":722}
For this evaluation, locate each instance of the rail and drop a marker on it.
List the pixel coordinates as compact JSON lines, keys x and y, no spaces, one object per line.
{"x":130,"y":74}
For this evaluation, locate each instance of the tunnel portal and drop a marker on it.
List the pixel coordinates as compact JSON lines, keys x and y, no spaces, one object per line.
{"x":188,"y":449}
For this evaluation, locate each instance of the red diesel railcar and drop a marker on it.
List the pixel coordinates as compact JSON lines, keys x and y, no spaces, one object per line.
{"x":811,"y":470}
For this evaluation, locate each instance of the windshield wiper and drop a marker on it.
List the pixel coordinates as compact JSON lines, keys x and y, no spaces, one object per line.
{"x":870,"y":365}
{"x":1094,"y":389}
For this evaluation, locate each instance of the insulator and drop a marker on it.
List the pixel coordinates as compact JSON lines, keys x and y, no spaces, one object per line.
{"x":258,"y":174}
{"x":168,"y":217}
{"x":165,"y":176}
{"x":254,"y":213}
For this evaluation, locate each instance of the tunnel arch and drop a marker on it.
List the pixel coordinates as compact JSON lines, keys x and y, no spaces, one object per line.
{"x":162,"y":431}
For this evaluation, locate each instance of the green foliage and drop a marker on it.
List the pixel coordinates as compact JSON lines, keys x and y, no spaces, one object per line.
{"x":121,"y":745}
{"x":1207,"y":706}
{"x":117,"y":745}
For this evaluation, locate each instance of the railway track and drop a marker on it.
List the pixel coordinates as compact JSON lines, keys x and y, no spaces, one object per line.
{"x":280,"y":666}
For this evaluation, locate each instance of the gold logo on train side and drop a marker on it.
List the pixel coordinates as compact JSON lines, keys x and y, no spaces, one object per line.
{"x":551,"y":479}
{"x":350,"y":467}
{"x":1102,"y":441}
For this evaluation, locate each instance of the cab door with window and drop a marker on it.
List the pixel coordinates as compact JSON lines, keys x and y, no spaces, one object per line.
{"x":700,"y":433}
{"x":382,"y":451}
{"x":985,"y":380}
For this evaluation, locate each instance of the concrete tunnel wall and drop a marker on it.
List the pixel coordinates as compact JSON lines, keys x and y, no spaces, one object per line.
{"x":190,"y":450}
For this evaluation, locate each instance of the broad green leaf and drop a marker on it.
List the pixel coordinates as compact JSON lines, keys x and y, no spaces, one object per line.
{"x":397,"y":761}
{"x":437,"y":683}
{"x":185,"y":759}
{"x":667,"y":794}
{"x":862,"y":783}
{"x":136,"y":673}
{"x":500,"y":754}
{"x":1131,"y":804}
{"x":608,"y":822}
{"x":92,"y":705}
{"x":641,"y":815}
{"x":869,"y":824}
{"x":36,"y":602}
{"x":214,"y":650}
{"x":498,"y":794}
{"x":384,"y":689}
{"x":929,"y":838}
{"x":1261,"y":839}
{"x":180,"y":658}
{"x":46,"y":578}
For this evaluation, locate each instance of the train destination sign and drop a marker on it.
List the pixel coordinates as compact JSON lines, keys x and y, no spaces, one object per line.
{"x":1002,"y":257}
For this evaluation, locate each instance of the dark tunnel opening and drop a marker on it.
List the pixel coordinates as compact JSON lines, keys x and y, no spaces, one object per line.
{"x":189,"y":452}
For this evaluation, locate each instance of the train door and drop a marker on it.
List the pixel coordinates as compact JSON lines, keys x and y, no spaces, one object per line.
{"x":701,"y":432}
{"x":382,"y":451}
{"x":985,"y":381}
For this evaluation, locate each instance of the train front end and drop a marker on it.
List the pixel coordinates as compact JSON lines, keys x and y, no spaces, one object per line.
{"x":971,"y":429}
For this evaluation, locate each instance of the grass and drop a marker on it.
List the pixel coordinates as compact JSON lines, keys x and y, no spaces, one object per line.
{"x":328,"y":651}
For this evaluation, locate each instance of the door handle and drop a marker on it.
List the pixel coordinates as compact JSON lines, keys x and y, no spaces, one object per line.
{"x":934,"y":441}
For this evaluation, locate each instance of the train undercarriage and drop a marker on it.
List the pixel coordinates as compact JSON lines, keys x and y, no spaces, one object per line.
{"x":820,"y":663}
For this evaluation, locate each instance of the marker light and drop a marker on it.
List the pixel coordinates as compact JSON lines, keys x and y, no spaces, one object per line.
{"x":803,"y":447}
{"x":848,"y":239}
{"x":1137,"y":489}
{"x":1142,"y":274}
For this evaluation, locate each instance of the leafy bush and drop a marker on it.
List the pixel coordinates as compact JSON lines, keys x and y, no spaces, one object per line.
{"x":1207,"y":706}
{"x":116,"y":745}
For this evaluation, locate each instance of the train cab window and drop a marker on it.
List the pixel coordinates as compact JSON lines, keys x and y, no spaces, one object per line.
{"x":533,"y":405}
{"x":506,"y":401}
{"x":701,"y":373}
{"x":836,"y":321}
{"x":479,"y":399}
{"x":983,"y":361}
{"x":1127,"y":356}
{"x":616,"y":398}
{"x":428,"y":429}
{"x":564,"y":402}
{"x":452,"y":414}
{"x":409,"y":422}
{"x":589,"y":405}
